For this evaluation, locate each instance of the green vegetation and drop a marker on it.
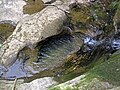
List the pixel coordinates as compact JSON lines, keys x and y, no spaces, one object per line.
{"x":115,"y":4}
{"x":108,"y":71}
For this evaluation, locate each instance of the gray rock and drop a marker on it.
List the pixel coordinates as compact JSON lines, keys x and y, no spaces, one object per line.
{"x":38,"y":84}
{"x":33,"y":29}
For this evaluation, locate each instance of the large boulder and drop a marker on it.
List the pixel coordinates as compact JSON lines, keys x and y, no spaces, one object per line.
{"x":31,"y":30}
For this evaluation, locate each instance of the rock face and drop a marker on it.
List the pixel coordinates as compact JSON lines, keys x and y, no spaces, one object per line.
{"x":38,"y":84}
{"x":30,"y":31}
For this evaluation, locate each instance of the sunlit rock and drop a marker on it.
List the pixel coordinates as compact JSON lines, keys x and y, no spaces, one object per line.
{"x":38,"y":84}
{"x":11,"y":10}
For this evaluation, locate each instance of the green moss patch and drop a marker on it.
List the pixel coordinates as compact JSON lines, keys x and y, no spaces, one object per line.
{"x":33,"y":6}
{"x":6,"y":30}
{"x":108,"y":70}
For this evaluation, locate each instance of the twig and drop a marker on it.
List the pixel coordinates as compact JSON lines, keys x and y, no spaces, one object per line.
{"x":14,"y":85}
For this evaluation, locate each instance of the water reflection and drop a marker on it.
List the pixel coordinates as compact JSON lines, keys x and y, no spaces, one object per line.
{"x":17,"y":70}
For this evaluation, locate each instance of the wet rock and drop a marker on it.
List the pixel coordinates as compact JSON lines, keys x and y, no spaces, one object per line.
{"x":93,"y":19}
{"x":38,"y":84}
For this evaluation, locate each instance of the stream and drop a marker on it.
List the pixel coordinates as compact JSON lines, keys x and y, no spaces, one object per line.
{"x":93,"y":36}
{"x":53,"y":52}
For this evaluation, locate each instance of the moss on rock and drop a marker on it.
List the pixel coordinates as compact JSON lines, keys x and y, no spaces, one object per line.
{"x":33,"y":6}
{"x":103,"y":76}
{"x":6,"y":30}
